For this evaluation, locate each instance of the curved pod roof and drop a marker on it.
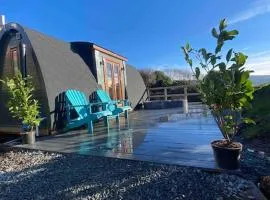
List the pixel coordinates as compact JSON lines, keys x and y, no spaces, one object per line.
{"x":135,"y":86}
{"x":60,"y":68}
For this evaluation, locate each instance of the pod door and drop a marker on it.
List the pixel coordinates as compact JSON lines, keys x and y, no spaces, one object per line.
{"x":10,"y":64}
{"x":113,"y":79}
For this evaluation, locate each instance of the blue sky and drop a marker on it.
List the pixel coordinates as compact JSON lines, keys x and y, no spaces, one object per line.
{"x":150,"y":32}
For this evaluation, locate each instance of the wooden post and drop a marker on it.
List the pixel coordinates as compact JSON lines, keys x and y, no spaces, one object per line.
{"x":185,"y":93}
{"x":185,"y":101}
{"x":165,"y":94}
{"x":37,"y":131}
{"x":148,"y":94}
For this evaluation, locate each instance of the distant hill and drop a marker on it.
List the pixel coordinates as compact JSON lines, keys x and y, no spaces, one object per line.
{"x":260,"y":79}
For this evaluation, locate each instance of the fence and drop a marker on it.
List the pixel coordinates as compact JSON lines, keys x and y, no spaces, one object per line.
{"x":171,"y":93}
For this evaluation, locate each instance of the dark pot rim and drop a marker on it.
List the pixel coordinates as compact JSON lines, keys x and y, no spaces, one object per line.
{"x":216,"y":146}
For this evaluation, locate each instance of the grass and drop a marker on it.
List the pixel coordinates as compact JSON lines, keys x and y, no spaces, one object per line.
{"x":260,"y":113}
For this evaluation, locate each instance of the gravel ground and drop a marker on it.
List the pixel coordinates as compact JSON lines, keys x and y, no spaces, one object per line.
{"x":254,"y":166}
{"x":38,"y":175}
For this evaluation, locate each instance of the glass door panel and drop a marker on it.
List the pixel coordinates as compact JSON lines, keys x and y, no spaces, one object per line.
{"x":14,"y":60}
{"x":117,"y":81}
{"x":112,"y":77}
{"x":109,"y":81}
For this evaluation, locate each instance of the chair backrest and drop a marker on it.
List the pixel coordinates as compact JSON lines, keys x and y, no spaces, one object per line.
{"x":103,"y":96}
{"x":78,"y":101}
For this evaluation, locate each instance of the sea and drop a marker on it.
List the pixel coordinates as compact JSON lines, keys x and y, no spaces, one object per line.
{"x":260,"y":79}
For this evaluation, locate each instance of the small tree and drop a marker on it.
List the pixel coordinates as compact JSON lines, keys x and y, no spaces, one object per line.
{"x":179,"y":74}
{"x":162,"y":80}
{"x":21,"y":103}
{"x":224,"y":86}
{"x":148,"y":77}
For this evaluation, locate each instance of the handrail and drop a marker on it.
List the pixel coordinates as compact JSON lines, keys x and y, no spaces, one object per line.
{"x":170,"y":87}
{"x":165,"y":94}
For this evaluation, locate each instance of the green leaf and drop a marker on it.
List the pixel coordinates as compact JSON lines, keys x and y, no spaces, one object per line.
{"x":185,"y":53}
{"x":218,"y":48}
{"x":240,"y":59}
{"x":248,"y":121}
{"x":233,"y":32}
{"x":222,"y":66}
{"x":213,"y":60}
{"x":222,"y":24}
{"x":249,"y":86}
{"x":245,"y":102}
{"x":229,"y":55}
{"x":204,"y":54}
{"x":244,"y":76}
{"x":249,"y":95}
{"x":190,"y":62}
{"x":188,"y":47}
{"x":214,"y":33}
{"x":229,"y":37}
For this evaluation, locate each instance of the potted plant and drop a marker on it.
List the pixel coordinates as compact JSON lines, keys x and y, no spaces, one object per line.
{"x":225,"y":88}
{"x":23,"y":106}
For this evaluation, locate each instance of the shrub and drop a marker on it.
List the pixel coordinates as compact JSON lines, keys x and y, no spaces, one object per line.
{"x":223,"y":83}
{"x":21,"y":103}
{"x":260,"y":112}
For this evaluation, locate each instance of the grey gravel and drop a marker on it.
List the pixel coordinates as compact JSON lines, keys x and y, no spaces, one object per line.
{"x":38,"y":175}
{"x":253,"y":166}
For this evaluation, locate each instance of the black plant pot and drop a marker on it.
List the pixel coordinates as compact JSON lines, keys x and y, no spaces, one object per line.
{"x":227,"y":158}
{"x":28,"y":137}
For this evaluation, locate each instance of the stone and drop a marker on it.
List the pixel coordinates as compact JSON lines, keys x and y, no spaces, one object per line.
{"x":250,"y":150}
{"x":265,"y":185}
{"x":107,"y":179}
{"x":261,"y":154}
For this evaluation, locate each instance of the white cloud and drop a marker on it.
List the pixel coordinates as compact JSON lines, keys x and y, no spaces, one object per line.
{"x":259,"y":62}
{"x":163,"y":67}
{"x":258,"y":7}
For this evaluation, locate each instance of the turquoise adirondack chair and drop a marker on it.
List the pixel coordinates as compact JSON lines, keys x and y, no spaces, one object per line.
{"x":104,"y":97}
{"x":78,"y":102}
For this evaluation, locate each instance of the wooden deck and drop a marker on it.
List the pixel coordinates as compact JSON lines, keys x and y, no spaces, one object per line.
{"x":164,"y":136}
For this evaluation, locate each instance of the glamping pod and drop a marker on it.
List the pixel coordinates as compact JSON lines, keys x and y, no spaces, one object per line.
{"x":56,"y":66}
{"x":108,"y":68}
{"x":136,"y":88}
{"x":113,"y":74}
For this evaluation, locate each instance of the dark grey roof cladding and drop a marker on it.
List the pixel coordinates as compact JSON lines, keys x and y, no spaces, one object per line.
{"x":61,"y":68}
{"x":135,"y":85}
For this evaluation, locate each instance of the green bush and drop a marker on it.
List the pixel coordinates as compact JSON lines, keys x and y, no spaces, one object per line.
{"x":224,"y":84}
{"x":21,"y":103}
{"x":162,"y":80}
{"x":260,"y":112}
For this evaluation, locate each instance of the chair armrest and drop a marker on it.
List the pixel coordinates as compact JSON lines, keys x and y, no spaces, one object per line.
{"x":96,"y":104}
{"x":105,"y":105}
{"x":125,"y":101}
{"x":71,"y":106}
{"x":111,"y":106}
